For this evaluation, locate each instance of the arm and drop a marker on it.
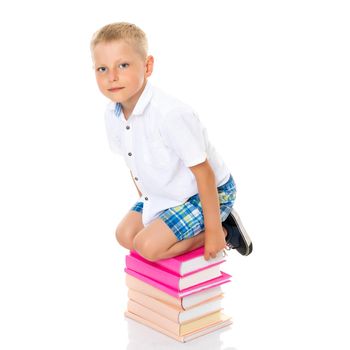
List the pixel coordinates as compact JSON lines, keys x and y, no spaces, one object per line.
{"x":214,"y":238}
{"x":140,"y":194}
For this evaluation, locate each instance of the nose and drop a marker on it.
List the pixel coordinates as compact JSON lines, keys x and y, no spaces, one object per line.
{"x":113,"y":75}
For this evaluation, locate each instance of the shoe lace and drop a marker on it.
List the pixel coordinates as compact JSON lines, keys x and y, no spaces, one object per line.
{"x":229,"y":246}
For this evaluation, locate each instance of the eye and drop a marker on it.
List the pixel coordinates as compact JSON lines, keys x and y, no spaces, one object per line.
{"x":124,"y":65}
{"x":101,"y":69}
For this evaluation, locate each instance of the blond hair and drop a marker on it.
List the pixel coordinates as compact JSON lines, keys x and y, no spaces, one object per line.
{"x":128,"y":32}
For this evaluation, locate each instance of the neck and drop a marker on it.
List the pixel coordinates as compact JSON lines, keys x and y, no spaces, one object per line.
{"x":129,"y":106}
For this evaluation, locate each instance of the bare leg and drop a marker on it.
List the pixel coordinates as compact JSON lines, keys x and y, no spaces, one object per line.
{"x":128,"y":227}
{"x":186,"y":245}
{"x":157,"y":241}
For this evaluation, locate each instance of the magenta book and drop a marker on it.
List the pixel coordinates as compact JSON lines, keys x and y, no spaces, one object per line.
{"x":224,"y":278}
{"x":186,"y":263}
{"x":163,"y":275}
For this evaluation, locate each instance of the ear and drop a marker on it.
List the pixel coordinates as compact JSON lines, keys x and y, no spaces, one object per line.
{"x":149,"y":66}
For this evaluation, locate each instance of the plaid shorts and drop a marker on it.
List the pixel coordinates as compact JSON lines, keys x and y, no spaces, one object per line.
{"x":186,"y":220}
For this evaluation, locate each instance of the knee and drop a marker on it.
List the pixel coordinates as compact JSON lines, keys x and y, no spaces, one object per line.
{"x":123,"y":238}
{"x":145,"y":248}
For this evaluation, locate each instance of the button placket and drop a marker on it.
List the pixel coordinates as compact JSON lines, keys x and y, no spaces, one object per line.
{"x":130,"y":158}
{"x":128,"y":144}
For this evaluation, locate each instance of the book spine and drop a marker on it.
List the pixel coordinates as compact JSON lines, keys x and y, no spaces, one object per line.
{"x":153,"y":272}
{"x":163,"y":309}
{"x":154,"y":317}
{"x":174,"y":265}
{"x":225,"y":278}
{"x":153,"y":326}
{"x":171,"y":264}
{"x":135,"y":284}
{"x":195,"y":334}
{"x":154,"y":283}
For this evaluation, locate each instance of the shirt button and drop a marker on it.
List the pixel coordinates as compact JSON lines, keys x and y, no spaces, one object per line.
{"x":127,"y":127}
{"x":129,"y":154}
{"x":136,"y":178}
{"x":146,"y":198}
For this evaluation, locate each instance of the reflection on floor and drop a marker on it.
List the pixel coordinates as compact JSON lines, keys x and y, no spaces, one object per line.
{"x":145,"y":338}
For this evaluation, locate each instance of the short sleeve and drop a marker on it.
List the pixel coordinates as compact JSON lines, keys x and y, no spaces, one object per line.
{"x":112,"y":133}
{"x":184,"y":133}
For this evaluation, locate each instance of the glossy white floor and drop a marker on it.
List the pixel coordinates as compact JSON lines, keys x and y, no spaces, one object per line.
{"x":141,"y":337}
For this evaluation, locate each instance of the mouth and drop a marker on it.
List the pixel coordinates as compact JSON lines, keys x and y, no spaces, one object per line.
{"x":115,"y":89}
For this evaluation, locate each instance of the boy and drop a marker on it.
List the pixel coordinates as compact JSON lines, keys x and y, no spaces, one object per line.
{"x":186,"y":191}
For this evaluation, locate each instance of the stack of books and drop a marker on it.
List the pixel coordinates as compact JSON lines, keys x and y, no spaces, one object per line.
{"x":180,"y":297}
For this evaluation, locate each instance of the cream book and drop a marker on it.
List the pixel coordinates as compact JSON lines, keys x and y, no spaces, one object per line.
{"x":176,"y":313}
{"x":184,"y":302}
{"x":224,"y":322}
{"x":171,"y":326}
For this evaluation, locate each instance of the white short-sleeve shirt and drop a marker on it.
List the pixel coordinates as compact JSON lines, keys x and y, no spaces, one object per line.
{"x":159,"y":141}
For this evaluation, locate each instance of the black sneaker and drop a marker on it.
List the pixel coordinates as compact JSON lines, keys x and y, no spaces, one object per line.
{"x":237,"y":237}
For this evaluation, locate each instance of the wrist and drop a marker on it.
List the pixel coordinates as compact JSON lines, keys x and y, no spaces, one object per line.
{"x":216,"y":231}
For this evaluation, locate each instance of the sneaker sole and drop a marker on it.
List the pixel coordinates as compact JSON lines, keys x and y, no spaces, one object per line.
{"x":246,"y":239}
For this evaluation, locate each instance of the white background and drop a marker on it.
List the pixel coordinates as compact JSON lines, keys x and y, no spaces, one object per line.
{"x":270,"y":81}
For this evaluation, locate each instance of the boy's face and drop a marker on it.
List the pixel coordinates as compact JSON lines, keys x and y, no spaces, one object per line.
{"x":121,"y":72}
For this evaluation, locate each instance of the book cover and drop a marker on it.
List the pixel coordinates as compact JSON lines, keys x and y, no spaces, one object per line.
{"x":224,"y":322}
{"x":186,"y":263}
{"x":174,"y":327}
{"x":224,"y":278}
{"x":184,"y":302}
{"x":176,"y":313}
{"x":160,"y":274}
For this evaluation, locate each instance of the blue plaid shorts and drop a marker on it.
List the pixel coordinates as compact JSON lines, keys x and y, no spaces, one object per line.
{"x":186,"y":220}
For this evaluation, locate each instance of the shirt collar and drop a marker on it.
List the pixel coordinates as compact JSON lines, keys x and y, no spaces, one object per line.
{"x":141,"y":104}
{"x":117,"y":109}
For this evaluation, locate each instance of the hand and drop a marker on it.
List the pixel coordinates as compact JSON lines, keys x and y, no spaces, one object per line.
{"x":214,"y":241}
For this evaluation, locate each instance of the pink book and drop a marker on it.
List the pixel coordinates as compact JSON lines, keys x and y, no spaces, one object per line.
{"x":163,"y":275}
{"x":186,"y":263}
{"x":224,"y":278}
{"x":183,"y":303}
